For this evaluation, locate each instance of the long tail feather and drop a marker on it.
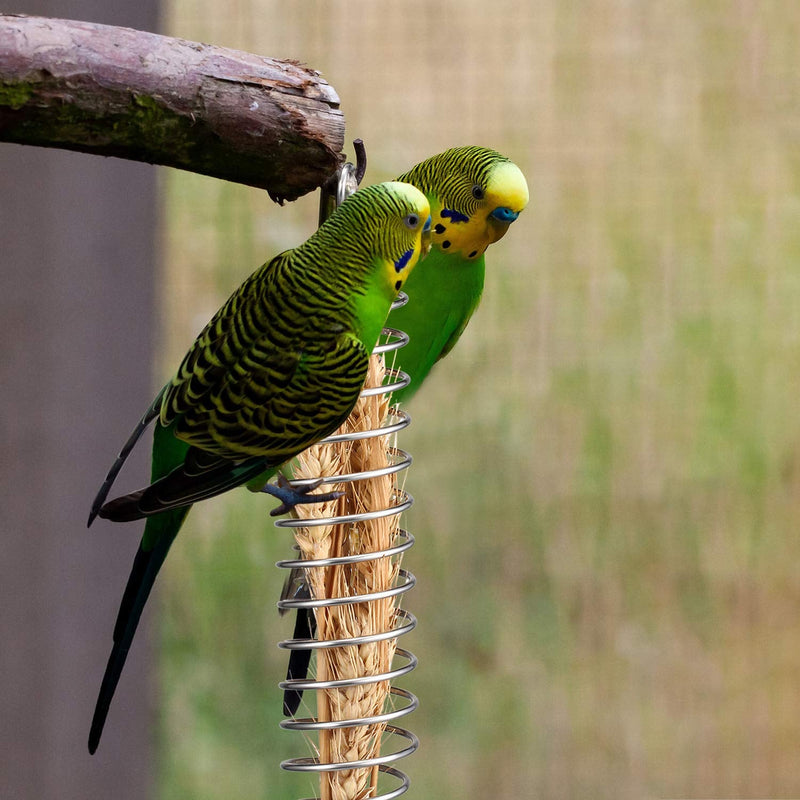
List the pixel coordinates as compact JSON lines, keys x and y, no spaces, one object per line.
{"x":143,"y":574}
{"x":305,"y":627}
{"x":147,"y":418}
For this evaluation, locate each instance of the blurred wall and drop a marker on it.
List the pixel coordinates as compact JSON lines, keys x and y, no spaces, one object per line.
{"x":607,"y":467}
{"x":77,"y":270}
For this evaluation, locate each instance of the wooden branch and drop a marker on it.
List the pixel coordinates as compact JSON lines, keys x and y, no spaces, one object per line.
{"x":120,"y":92}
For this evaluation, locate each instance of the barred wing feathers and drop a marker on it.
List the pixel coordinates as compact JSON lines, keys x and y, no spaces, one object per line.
{"x":255,"y":384}
{"x":255,"y":388}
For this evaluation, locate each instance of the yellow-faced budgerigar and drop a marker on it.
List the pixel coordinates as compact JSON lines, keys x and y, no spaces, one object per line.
{"x":279,"y":367}
{"x":475,"y":194}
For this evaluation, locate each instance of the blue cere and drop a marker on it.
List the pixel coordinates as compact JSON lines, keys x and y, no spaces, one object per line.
{"x":403,"y":260}
{"x":427,"y":226}
{"x":504,"y":214}
{"x":455,"y":216}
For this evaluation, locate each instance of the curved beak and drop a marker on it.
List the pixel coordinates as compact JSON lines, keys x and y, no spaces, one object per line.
{"x":499,"y":221}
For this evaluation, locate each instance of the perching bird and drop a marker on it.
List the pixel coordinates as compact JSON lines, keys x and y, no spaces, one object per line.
{"x":475,"y":194}
{"x":279,"y":367}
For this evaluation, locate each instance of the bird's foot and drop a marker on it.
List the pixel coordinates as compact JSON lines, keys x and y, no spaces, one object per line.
{"x":291,"y":496}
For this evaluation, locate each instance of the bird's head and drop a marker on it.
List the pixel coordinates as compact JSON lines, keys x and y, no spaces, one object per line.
{"x":475,"y":195}
{"x":402,"y":230}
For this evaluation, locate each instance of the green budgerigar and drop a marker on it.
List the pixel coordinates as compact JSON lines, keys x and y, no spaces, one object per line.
{"x":475,"y":194}
{"x":279,"y":367}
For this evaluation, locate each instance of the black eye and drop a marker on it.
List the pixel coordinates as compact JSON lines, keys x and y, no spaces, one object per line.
{"x":411,"y":221}
{"x":477,"y":192}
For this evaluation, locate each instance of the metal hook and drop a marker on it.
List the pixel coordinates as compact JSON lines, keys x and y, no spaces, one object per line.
{"x":347,"y":183}
{"x":343,"y":183}
{"x":361,"y":159}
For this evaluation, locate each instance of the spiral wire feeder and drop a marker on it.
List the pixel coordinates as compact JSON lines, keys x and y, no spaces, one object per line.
{"x":398,"y":702}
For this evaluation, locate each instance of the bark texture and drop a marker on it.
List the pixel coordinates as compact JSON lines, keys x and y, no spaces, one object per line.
{"x":121,"y":92}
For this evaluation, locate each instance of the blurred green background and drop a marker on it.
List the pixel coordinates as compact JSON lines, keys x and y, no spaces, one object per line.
{"x":607,"y":469}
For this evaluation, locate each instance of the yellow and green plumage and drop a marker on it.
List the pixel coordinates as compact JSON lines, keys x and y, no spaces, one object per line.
{"x":278,"y":368}
{"x":475,"y":193}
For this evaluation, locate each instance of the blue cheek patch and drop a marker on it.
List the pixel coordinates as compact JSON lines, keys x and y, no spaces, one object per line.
{"x":403,"y":260}
{"x":455,"y":216}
